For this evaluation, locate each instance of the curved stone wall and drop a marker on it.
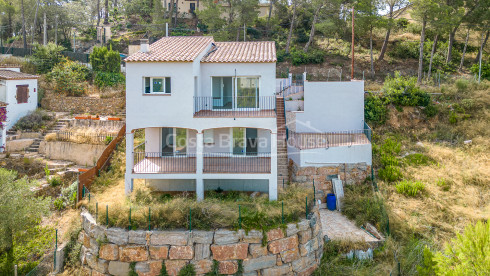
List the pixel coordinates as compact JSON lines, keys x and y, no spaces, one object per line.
{"x":109,"y":251}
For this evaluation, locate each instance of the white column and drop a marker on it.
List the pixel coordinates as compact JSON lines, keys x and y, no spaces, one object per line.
{"x":199,"y":166}
{"x":273,"y":177}
{"x":128,"y":187}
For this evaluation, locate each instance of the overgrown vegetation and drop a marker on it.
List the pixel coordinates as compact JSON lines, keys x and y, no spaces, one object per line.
{"x":34,"y":121}
{"x":410,"y":188}
{"x":70,"y":78}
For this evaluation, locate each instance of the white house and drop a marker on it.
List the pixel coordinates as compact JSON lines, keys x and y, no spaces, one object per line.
{"x":209,"y":114}
{"x":214,"y":118}
{"x":18,"y":92}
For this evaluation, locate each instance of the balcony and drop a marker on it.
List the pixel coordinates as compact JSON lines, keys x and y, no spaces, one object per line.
{"x":329,"y":139}
{"x":158,"y":162}
{"x":235,"y":107}
{"x":230,"y":163}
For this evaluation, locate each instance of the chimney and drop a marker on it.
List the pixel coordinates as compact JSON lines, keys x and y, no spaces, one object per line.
{"x":145,"y":45}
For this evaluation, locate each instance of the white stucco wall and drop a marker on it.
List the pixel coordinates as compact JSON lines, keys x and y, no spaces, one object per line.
{"x":177,"y":109}
{"x":332,"y":106}
{"x":334,"y":155}
{"x":16,"y":111}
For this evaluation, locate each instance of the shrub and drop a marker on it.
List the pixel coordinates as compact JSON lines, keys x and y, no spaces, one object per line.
{"x":431,"y":110}
{"x":107,"y":79}
{"x":108,"y":140}
{"x":388,"y":152}
{"x":105,"y":60}
{"x":404,"y":91}
{"x":362,"y":205}
{"x":410,"y":188}
{"x":418,"y":159}
{"x":46,"y":57}
{"x":467,"y":254}
{"x":375,"y":110}
{"x":69,"y":78}
{"x":54,"y":181}
{"x":299,"y":57}
{"x":187,"y":270}
{"x":461,"y":85}
{"x":405,"y":49}
{"x":33,"y":121}
{"x":445,"y":184}
{"x":485,"y":70}
{"x":390,"y":173}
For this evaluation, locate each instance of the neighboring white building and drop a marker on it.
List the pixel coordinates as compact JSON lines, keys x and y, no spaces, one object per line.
{"x":18,"y":92}
{"x":214,"y":118}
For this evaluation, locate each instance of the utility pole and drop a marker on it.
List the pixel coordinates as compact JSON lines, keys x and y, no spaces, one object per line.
{"x":56,"y":30}
{"x":352,"y":66}
{"x":45,"y":34}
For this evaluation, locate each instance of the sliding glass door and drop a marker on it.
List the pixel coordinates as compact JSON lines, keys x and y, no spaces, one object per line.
{"x":174,"y":141}
{"x":235,"y":92}
{"x":244,"y":141}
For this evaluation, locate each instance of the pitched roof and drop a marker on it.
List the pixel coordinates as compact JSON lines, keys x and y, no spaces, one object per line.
{"x":174,"y":48}
{"x":256,"y":51}
{"x":13,"y":75}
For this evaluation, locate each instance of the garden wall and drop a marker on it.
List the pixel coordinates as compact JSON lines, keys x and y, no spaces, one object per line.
{"x":348,"y":173}
{"x":78,"y":105}
{"x":295,"y":251}
{"x":81,"y":154}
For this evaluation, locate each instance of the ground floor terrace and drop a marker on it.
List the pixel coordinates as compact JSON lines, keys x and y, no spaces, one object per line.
{"x":180,"y":159}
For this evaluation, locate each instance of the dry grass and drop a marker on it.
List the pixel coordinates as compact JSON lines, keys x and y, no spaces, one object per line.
{"x":215,"y":211}
{"x":457,"y":185}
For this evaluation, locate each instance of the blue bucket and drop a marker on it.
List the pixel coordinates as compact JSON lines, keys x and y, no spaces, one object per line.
{"x":331,"y":202}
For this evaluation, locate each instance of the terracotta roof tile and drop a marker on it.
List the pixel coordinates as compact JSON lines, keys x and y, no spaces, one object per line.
{"x":174,"y":48}
{"x":255,"y":51}
{"x":13,"y":75}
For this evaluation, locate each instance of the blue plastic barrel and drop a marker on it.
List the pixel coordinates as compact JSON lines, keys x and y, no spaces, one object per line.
{"x":331,"y":202}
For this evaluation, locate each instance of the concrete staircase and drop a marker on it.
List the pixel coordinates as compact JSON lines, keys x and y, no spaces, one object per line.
{"x":60,"y":124}
{"x":282,"y":150}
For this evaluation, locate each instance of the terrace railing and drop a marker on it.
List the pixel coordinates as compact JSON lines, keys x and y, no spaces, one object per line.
{"x":225,"y":162}
{"x":329,"y":139}
{"x":235,"y":107}
{"x":158,"y":162}
{"x":69,"y":136}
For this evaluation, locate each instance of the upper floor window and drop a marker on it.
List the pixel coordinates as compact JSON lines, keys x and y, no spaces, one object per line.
{"x":157,"y":85}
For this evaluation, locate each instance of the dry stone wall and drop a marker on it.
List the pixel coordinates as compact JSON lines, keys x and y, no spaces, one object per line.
{"x":78,"y":105}
{"x":297,"y":250}
{"x":348,"y":173}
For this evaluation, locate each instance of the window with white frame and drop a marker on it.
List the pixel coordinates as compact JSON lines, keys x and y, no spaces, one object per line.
{"x":156,"y":85}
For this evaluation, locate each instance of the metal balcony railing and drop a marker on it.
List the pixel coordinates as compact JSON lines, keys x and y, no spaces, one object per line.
{"x":235,"y":107}
{"x":158,"y":162}
{"x":329,"y":139}
{"x":226,"y":162}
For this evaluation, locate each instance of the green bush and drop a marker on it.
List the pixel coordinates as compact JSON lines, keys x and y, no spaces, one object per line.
{"x":187,"y":270}
{"x":431,"y":110}
{"x":410,"y":188}
{"x":69,"y":77}
{"x":405,"y":49}
{"x":418,"y":159}
{"x":467,"y":254}
{"x":390,"y":173}
{"x":445,"y":184}
{"x":33,"y":121}
{"x":404,"y":91}
{"x":104,"y":60}
{"x":362,"y":205}
{"x":54,"y":181}
{"x":107,"y":79}
{"x":299,"y":57}
{"x":388,"y":152}
{"x":46,"y":57}
{"x":485,"y":70}
{"x":375,"y":110}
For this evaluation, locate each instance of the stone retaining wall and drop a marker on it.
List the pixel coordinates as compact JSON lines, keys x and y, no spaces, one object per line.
{"x":81,"y":154}
{"x":348,"y":173}
{"x":109,"y":251}
{"x":105,"y":106}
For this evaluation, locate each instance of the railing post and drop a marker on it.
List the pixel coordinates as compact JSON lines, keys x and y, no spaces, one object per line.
{"x":306,"y":207}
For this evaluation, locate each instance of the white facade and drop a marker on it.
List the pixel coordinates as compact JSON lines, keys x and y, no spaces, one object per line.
{"x":209,"y":145}
{"x":331,"y":126}
{"x":15,"y":110}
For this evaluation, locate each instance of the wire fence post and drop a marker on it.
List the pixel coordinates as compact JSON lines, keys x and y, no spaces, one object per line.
{"x":96,"y":211}
{"x":129,"y":218}
{"x":190,"y":220}
{"x":55,"y":249}
{"x":240,"y":216}
{"x":283,"y":183}
{"x":314,"y":192}
{"x":149,"y":218}
{"x":282,"y":211}
{"x":88,"y":196}
{"x":83,"y":191}
{"x":107,"y":215}
{"x":306,"y":207}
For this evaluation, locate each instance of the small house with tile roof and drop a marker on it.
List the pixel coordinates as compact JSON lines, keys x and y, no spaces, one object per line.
{"x":18,"y":96}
